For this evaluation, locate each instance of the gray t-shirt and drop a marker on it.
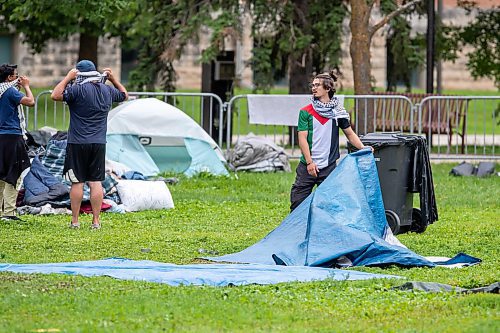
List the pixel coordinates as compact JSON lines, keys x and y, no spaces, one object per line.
{"x":89,"y":104}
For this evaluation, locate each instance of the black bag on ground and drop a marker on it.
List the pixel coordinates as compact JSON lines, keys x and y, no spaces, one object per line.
{"x":463,"y":169}
{"x":485,"y":169}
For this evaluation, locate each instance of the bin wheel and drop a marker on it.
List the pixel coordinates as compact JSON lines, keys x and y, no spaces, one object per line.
{"x":393,"y":221}
{"x":417,"y":225}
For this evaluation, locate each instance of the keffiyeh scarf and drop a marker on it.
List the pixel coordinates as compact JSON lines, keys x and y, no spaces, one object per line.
{"x":94,"y":76}
{"x":87,"y":77}
{"x":20,"y":112}
{"x":330,"y":110}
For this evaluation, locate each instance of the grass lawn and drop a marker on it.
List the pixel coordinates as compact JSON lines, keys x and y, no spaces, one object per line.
{"x":228,"y":215}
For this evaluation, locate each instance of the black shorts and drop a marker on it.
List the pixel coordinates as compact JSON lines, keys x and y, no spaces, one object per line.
{"x":85,"y":162}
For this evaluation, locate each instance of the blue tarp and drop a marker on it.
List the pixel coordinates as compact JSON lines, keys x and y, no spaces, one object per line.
{"x":213,"y":275}
{"x":345,"y":216}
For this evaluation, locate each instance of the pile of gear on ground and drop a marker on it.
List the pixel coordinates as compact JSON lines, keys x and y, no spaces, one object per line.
{"x":43,"y":189}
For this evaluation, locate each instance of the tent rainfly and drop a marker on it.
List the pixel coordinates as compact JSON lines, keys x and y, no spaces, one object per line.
{"x":151,"y":136}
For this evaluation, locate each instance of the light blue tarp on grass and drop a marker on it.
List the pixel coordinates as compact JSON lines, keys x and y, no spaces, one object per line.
{"x":345,"y":216}
{"x":174,"y":275}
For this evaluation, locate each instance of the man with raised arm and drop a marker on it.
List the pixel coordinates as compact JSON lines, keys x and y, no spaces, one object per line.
{"x":13,"y":155}
{"x":89,"y":100}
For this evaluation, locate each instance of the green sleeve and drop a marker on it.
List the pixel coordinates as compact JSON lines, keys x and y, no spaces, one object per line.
{"x":303,"y":121}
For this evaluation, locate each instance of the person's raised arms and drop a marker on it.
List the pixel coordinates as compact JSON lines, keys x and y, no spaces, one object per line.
{"x":57,"y":93}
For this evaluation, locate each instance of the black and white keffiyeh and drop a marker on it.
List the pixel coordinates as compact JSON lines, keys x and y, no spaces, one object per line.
{"x":6,"y":85}
{"x":20,"y":111}
{"x":331,"y":110}
{"x":88,"y":77}
{"x":93,"y":76}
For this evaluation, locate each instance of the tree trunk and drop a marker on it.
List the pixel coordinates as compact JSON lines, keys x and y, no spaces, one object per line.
{"x":88,"y":48}
{"x":300,"y":73}
{"x":300,"y":62}
{"x":360,"y":56}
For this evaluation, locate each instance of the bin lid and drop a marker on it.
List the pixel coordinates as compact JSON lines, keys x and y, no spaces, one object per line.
{"x":389,"y":138}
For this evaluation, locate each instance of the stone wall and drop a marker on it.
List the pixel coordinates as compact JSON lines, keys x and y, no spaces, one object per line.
{"x":188,"y":68}
{"x":58,"y":57}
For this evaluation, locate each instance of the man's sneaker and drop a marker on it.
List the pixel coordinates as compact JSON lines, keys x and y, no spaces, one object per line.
{"x":11,"y":218}
{"x":94,"y":226}
{"x":74,"y":226}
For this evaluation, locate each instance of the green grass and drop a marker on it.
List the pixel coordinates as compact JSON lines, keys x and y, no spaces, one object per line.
{"x":227,"y":215}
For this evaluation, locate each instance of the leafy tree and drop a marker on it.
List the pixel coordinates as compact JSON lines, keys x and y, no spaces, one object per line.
{"x":42,"y":20}
{"x":362,"y":33}
{"x":483,"y":35}
{"x":405,"y":51}
{"x":286,"y":36}
{"x":295,"y":37}
{"x":161,"y":30}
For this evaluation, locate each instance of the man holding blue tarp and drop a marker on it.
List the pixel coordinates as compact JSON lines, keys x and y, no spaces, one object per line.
{"x":318,"y":132}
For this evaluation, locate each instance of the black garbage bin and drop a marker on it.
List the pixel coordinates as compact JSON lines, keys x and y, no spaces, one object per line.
{"x":403,"y":169}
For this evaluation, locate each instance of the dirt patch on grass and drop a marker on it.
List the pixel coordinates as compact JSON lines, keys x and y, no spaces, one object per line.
{"x":13,"y":277}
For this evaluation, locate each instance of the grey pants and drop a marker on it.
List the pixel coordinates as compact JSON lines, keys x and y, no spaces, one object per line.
{"x":304,"y":183}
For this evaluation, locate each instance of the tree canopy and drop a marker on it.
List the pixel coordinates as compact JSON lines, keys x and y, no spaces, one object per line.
{"x":482,"y":34}
{"x":161,"y":29}
{"x":290,"y":37}
{"x":42,"y":20}
{"x":287,"y":34}
{"x":405,"y":50}
{"x":282,"y":31}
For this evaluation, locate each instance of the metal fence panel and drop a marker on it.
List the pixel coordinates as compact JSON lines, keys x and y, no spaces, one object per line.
{"x":461,"y":126}
{"x":56,"y":114}
{"x":238,"y":121}
{"x":385,"y":113}
{"x":457,"y":127}
{"x":395,"y":109}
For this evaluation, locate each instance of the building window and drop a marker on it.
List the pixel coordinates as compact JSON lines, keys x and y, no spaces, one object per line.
{"x":6,"y":49}
{"x":129,"y":62}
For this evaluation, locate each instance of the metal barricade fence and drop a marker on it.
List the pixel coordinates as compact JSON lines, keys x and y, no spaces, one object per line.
{"x":461,"y":126}
{"x":456,"y":127}
{"x":47,"y":112}
{"x":238,"y":121}
{"x":56,"y":114}
{"x":385,"y":113}
{"x":194,"y":104}
{"x":388,"y":113}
